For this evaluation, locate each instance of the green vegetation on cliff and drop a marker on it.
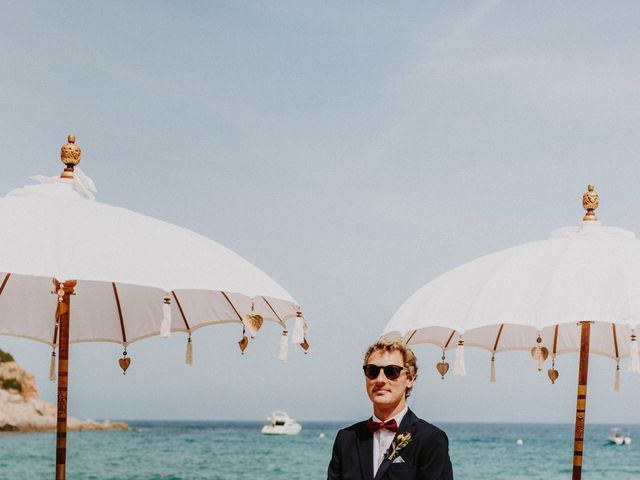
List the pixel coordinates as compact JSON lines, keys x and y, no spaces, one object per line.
{"x":11,"y":384}
{"x":5,"y":357}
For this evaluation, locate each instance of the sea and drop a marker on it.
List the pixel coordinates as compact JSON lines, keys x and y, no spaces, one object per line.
{"x":236,"y":450}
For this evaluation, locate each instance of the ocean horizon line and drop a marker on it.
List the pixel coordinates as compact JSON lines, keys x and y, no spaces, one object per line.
{"x":351,"y":421}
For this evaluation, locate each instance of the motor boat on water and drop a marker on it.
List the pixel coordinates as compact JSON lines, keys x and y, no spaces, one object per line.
{"x":279,"y":423}
{"x":619,"y":436}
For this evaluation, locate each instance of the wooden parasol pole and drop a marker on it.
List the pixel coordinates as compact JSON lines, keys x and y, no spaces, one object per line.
{"x":70,"y":155}
{"x":581,"y":404}
{"x":65,"y":290}
{"x":590,"y":202}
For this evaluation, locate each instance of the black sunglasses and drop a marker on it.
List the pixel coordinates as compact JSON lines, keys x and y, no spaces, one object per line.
{"x":392,"y":372}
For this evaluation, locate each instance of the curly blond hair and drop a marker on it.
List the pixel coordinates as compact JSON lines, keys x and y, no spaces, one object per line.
{"x":397,"y":345}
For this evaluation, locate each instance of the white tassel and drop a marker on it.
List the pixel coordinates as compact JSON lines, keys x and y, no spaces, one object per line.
{"x":165,"y":326}
{"x":634,"y":361}
{"x":616,"y":380}
{"x":52,"y":366}
{"x":459,"y":368}
{"x":297,"y":336}
{"x":189,"y":354}
{"x":492,"y":375}
{"x":284,"y":346}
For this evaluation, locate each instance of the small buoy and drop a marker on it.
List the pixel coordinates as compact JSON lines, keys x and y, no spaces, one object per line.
{"x":321,"y":434}
{"x":519,"y":442}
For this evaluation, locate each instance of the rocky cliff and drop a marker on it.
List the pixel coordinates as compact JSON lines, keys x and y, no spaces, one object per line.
{"x":22,"y":410}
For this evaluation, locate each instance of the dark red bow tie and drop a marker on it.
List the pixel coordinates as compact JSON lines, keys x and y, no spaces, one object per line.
{"x":390,"y":425}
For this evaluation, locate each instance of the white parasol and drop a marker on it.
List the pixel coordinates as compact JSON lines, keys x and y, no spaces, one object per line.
{"x":130,"y":276}
{"x":579,"y":290}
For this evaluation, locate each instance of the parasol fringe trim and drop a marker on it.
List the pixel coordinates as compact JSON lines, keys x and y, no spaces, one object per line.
{"x":283,"y":350}
{"x":616,"y":379}
{"x":459,"y":368}
{"x":634,"y":361}
{"x":52,"y":365}
{"x":492,"y":375}
{"x":189,"y":355}
{"x":297,"y":336}
{"x":165,"y":326}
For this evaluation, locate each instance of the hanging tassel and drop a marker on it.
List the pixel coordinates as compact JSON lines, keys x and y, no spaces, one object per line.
{"x":52,"y":365}
{"x":189,"y":355}
{"x":297,"y":337}
{"x":492,"y":374}
{"x":165,"y":326}
{"x":284,"y":346}
{"x":305,"y":333}
{"x":616,"y":379}
{"x":634,"y":361}
{"x":459,"y":368}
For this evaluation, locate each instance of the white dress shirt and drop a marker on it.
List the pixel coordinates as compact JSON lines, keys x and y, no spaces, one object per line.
{"x":382,"y":440}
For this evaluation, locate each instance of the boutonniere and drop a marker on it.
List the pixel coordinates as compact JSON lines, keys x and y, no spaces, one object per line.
{"x":399,"y":442}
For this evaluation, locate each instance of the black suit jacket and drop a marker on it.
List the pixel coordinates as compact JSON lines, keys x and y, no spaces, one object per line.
{"x":426,"y":457}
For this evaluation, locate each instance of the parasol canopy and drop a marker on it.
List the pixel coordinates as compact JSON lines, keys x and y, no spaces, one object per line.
{"x":124,"y":263}
{"x":587,"y":272}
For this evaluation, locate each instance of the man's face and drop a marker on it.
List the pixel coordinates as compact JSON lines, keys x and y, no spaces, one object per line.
{"x":383,"y":392}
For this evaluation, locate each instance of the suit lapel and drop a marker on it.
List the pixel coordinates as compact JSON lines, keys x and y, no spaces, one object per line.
{"x":365,"y":451}
{"x":405,"y":426}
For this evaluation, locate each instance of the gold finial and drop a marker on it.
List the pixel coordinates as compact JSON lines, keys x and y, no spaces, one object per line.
{"x":70,"y":156}
{"x":590,"y":201}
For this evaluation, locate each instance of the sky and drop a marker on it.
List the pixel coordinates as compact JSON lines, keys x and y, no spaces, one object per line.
{"x":351,"y":150}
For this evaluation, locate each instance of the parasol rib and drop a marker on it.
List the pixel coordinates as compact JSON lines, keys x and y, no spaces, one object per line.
{"x":615,"y":341}
{"x":122,"y":329}
{"x":184,"y":318}
{"x":555,"y":339}
{"x":4,"y":283}
{"x":232,"y":306}
{"x":410,"y":337}
{"x":446,"y":345}
{"x":284,"y":325}
{"x":495,"y":345}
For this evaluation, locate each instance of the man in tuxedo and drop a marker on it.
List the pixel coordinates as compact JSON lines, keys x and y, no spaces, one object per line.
{"x":394,"y":444}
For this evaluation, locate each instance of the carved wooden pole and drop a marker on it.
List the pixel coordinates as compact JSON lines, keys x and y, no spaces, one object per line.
{"x":65,"y":290}
{"x":70,"y":155}
{"x":581,"y":404}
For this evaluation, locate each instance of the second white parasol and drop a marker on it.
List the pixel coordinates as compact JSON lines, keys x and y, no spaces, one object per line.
{"x":578,"y":290}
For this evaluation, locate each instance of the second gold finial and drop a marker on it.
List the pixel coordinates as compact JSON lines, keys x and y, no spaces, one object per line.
{"x":590,"y":201}
{"x":70,"y":156}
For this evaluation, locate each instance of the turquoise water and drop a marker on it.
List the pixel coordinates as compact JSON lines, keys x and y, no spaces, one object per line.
{"x":236,"y":450}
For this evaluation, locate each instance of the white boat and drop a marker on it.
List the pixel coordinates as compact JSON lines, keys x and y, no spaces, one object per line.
{"x":279,"y":423}
{"x":619,"y":437}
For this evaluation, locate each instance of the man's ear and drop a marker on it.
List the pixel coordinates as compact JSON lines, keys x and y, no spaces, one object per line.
{"x":411,"y":380}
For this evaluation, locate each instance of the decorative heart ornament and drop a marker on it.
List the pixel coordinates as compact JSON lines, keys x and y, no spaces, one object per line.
{"x":124,"y":364}
{"x":553,"y":375}
{"x":539,"y":354}
{"x":243,"y":344}
{"x":443,"y":368}
{"x":305,"y":345}
{"x":253,"y":322}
